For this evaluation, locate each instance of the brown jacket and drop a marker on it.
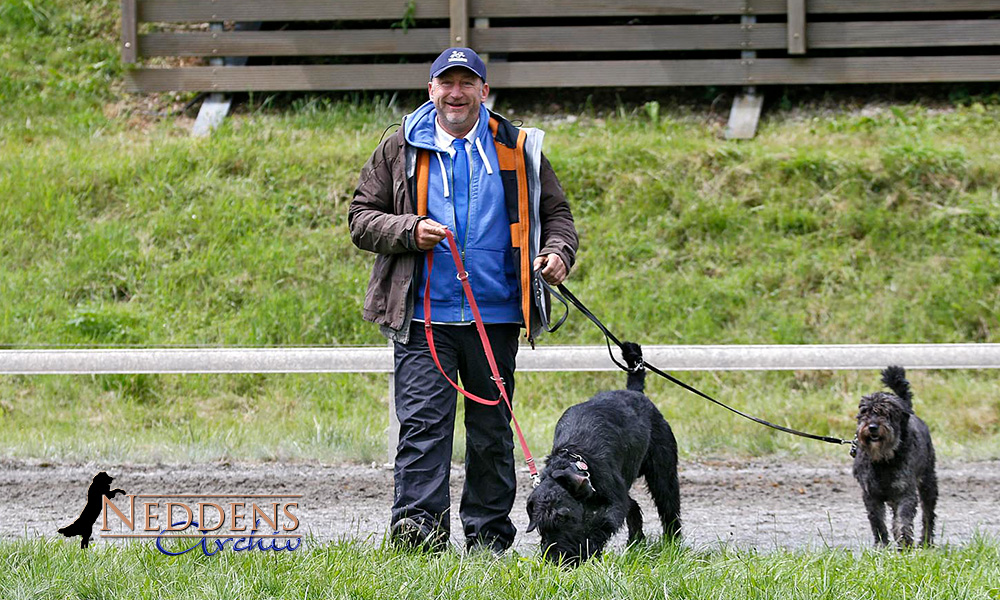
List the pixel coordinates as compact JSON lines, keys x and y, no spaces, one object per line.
{"x":384,"y":212}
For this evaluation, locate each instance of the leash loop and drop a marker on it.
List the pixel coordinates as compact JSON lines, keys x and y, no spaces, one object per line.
{"x":539,"y":287}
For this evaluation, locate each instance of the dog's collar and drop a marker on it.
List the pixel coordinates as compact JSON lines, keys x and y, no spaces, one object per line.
{"x":579,"y":462}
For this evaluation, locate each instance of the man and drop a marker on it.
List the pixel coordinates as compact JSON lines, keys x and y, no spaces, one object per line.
{"x":454,"y":165}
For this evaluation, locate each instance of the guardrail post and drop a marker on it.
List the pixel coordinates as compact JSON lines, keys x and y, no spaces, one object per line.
{"x":393,"y":434}
{"x":459,"y":11}
{"x":215,"y":108}
{"x":745,"y":113}
{"x":129,"y":32}
{"x":796,"y":26}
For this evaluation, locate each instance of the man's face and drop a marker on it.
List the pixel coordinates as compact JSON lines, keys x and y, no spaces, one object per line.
{"x":457,"y":94}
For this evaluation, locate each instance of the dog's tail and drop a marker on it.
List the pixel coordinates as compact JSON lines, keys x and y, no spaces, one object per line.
{"x":632,"y":353}
{"x":895,"y":378}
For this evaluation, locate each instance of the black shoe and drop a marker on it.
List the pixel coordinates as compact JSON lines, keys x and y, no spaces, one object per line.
{"x":412,"y":534}
{"x":479,"y":546}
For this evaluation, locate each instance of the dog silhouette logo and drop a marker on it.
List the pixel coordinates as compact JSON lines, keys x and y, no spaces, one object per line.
{"x":84,"y":524}
{"x":458,"y":56}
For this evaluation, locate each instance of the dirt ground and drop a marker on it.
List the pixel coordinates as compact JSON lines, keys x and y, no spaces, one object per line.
{"x":765,"y":504}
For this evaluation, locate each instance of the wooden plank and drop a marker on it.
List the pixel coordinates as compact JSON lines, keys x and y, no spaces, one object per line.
{"x":414,"y":76}
{"x":796,"y":26}
{"x":202,"y":11}
{"x":459,"y":21}
{"x":904,"y":34}
{"x":626,"y":73}
{"x":638,"y":8}
{"x":430,"y":41}
{"x":889,"y":69}
{"x":129,"y":26}
{"x":896,"y":6}
{"x":296,"y":43}
{"x":625,"y":38}
{"x":603,"y":8}
{"x":280,"y":78}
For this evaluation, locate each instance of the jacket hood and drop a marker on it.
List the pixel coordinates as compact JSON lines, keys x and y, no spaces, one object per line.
{"x":418,"y":127}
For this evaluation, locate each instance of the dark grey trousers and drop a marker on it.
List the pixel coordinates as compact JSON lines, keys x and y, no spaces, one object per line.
{"x":426,"y":407}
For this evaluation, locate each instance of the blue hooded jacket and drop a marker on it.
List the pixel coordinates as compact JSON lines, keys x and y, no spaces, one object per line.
{"x":486,"y":247}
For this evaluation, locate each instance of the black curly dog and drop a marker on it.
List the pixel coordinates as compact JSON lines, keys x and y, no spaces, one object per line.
{"x":84,"y":524}
{"x":601,"y":446}
{"x":895,"y":462}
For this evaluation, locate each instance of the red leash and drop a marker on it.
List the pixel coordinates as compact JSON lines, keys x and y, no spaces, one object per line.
{"x":463,"y":276}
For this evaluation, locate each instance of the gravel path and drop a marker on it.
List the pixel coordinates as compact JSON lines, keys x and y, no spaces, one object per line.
{"x":764,"y":504}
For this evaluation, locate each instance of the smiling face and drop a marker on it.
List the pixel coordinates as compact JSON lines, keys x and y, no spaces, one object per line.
{"x":457,"y":95}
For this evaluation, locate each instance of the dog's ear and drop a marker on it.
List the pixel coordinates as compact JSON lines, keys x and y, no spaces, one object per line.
{"x":575,"y":483}
{"x":531,"y":515}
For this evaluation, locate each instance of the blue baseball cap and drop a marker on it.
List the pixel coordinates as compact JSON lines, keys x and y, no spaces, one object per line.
{"x":459,"y":57}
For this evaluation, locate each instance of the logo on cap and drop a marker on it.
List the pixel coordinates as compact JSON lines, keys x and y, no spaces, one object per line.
{"x":458,"y":56}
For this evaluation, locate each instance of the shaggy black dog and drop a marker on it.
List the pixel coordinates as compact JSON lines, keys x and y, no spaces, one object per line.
{"x":84,"y":524}
{"x":895,"y":462}
{"x":600,"y":448}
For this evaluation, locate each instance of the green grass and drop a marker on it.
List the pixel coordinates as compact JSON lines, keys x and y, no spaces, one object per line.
{"x":204,"y":418}
{"x":117,"y":228}
{"x":41,"y":569}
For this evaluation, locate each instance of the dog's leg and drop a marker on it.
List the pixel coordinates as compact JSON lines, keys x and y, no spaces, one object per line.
{"x":634,"y":520}
{"x":660,"y":470}
{"x":928,"y":500}
{"x":876,"y":516}
{"x":903,"y":514}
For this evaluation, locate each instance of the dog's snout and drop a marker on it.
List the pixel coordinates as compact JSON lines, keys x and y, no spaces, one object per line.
{"x":872,"y":428}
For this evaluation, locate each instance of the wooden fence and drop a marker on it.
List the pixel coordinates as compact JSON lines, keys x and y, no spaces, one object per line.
{"x":353,"y":44}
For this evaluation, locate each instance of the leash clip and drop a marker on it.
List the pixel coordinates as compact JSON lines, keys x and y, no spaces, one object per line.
{"x":854,"y":447}
{"x":639,"y":366}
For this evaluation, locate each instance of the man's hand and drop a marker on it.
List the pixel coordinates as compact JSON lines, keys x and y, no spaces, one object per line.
{"x":554,"y":270}
{"x":429,"y":233}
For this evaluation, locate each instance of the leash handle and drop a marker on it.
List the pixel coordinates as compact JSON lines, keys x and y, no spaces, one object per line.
{"x":540,"y":286}
{"x":610,"y":337}
{"x":463,"y":276}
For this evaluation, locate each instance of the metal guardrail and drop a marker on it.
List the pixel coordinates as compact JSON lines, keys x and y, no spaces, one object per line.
{"x":378,"y":359}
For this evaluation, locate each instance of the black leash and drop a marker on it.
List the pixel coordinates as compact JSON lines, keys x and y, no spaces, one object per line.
{"x":564,"y":294}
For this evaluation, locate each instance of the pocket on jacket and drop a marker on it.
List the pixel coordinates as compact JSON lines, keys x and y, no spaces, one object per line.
{"x":445,"y":286}
{"x":489,"y":276}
